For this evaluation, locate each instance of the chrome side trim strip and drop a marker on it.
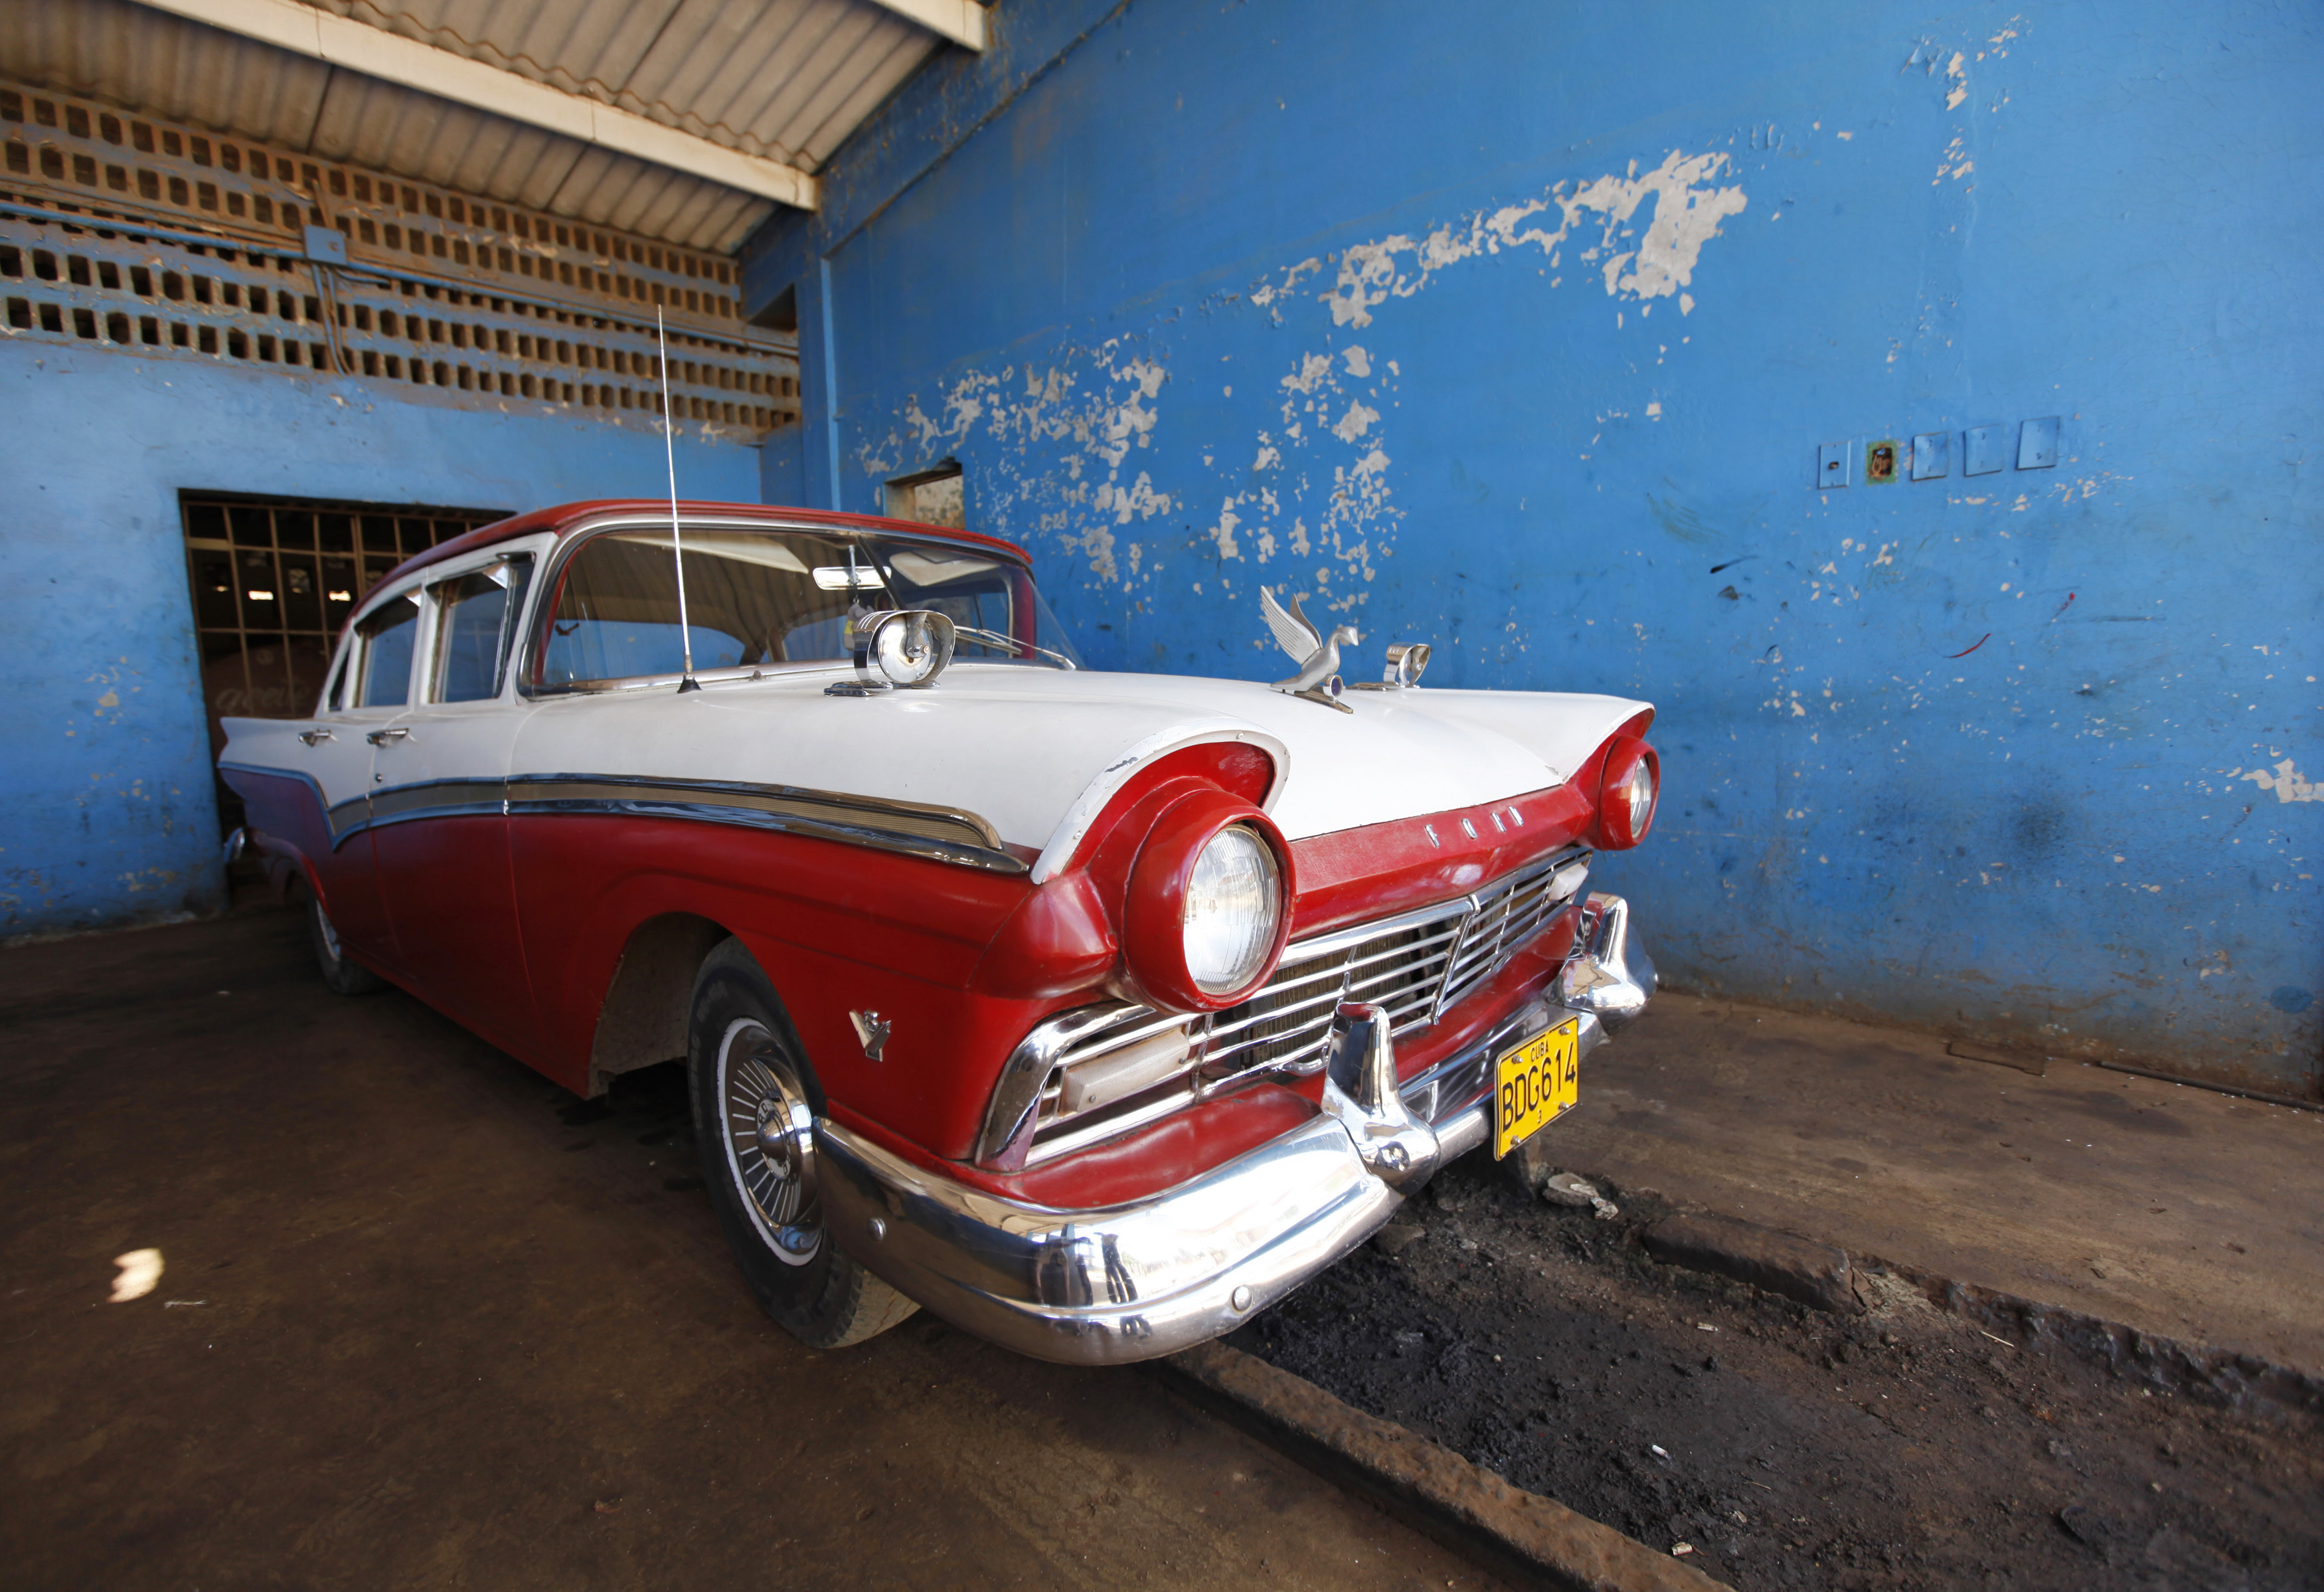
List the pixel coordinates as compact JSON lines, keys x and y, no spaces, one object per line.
{"x":911,"y":828}
{"x":909,"y":817}
{"x":428,"y":799}
{"x":933,"y":833}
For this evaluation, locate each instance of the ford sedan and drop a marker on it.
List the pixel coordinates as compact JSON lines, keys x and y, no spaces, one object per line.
{"x":1091,"y":1010}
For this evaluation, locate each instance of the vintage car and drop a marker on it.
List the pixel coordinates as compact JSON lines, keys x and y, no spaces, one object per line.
{"x":1091,"y":1010}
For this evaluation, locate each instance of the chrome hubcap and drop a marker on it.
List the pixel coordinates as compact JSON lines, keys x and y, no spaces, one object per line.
{"x":770,"y":1138}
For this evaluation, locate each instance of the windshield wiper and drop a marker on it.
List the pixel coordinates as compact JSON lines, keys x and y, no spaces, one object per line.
{"x":993,"y":638}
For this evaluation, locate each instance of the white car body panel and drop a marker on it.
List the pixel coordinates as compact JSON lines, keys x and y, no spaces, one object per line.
{"x":1036,"y":752}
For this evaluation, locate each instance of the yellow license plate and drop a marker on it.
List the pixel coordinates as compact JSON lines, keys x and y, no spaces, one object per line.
{"x":1536,"y":1083}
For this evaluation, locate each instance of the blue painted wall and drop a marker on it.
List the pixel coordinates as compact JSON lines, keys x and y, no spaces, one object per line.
{"x":783,"y":466}
{"x":1520,"y":332}
{"x":105,"y":782}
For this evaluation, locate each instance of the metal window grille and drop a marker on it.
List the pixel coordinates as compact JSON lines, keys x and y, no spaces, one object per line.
{"x":132,"y":232}
{"x":272,"y":579}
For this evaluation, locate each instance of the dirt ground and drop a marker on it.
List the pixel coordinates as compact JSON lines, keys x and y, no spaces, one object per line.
{"x":426,"y":1321}
{"x":1789,"y":1449}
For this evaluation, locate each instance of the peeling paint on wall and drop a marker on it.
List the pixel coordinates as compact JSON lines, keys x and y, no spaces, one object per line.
{"x":1080,"y":417}
{"x":1318,"y":492}
{"x":1659,"y":260}
{"x":2285,"y":781}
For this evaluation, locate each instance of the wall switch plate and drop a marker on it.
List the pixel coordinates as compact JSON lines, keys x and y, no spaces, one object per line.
{"x":1981,"y":449}
{"x":2037,"y":444}
{"x":1831,"y":465}
{"x":1932,"y":456}
{"x":327,"y":243}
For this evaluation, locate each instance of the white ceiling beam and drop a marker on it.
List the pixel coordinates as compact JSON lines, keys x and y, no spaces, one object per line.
{"x":960,"y":21}
{"x":326,"y":36}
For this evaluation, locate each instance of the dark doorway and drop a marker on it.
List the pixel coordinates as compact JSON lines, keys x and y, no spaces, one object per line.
{"x":273,"y":578}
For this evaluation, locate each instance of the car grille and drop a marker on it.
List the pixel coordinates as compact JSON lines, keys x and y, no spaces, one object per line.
{"x":1414,"y":966}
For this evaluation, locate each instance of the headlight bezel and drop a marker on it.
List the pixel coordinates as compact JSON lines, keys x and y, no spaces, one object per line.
{"x":1154,"y":927}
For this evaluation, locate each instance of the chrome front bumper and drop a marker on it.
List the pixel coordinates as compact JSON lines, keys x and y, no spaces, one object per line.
{"x":1133,"y":1281}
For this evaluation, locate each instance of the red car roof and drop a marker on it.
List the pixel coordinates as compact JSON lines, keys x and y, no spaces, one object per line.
{"x":568,"y":517}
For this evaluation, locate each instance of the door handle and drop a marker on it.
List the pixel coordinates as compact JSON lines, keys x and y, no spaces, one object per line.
{"x":394,"y":732}
{"x":317,"y":736}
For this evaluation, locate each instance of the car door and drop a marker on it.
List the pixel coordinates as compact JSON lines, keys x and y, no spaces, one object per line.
{"x":439,"y":803}
{"x":329,"y":757}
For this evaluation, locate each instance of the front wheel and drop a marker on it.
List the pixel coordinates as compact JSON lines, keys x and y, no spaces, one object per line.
{"x":755,"y":1101}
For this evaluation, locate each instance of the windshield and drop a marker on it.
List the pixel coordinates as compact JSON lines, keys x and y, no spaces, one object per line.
{"x":774,"y":597}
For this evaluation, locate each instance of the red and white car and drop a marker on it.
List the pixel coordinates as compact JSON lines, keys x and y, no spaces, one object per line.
{"x":1091,"y":1010}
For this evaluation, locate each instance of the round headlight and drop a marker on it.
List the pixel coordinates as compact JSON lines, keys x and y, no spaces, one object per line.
{"x":1231,"y":907}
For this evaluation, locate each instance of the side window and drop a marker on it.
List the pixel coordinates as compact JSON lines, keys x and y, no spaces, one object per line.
{"x":383,"y":667}
{"x":477,"y":621}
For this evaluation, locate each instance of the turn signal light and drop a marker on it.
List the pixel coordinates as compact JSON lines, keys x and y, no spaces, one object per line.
{"x":1627,"y":793}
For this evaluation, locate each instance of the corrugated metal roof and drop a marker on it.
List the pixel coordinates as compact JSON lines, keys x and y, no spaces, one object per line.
{"x":788,"y":79}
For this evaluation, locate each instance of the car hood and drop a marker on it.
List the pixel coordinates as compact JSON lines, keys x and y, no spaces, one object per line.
{"x":1037,"y":752}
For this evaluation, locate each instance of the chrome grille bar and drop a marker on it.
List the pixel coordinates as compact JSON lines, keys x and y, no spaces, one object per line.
{"x":1415,"y":966}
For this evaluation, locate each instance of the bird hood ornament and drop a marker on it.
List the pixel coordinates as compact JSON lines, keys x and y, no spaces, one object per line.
{"x":1317,"y":655}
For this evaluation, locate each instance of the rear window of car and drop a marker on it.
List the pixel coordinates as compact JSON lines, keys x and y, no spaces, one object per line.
{"x":383,"y":671}
{"x":759,"y":597}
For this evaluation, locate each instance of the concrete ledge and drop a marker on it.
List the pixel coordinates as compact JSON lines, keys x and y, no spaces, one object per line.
{"x":1524,"y":1538}
{"x":2223,"y":1377}
{"x":1815,"y":1275}
{"x":1821,"y":1275}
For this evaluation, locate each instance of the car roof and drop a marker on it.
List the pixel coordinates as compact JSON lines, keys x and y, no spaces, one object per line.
{"x":566,"y":518}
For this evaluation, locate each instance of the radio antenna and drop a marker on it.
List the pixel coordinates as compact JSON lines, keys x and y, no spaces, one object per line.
{"x":686,"y":682}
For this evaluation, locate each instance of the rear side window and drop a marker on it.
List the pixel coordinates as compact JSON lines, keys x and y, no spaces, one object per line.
{"x":384,"y":673}
{"x":478,"y":620}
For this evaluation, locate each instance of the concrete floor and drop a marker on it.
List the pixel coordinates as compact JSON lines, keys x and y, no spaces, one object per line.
{"x":426,"y":1321}
{"x":2169,"y":1208}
